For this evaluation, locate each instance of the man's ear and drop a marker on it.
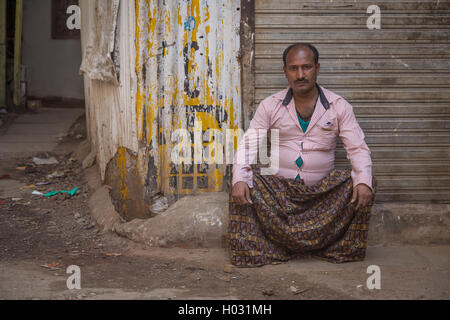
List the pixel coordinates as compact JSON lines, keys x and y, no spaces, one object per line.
{"x":318,"y":67}
{"x":284,"y":69}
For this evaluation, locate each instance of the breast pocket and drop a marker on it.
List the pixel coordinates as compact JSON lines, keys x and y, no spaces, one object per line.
{"x":324,"y":133}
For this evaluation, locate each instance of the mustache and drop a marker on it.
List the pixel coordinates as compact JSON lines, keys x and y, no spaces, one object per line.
{"x":301,"y":80}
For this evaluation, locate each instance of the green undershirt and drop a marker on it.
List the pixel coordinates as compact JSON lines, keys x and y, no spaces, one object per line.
{"x":303,"y":124}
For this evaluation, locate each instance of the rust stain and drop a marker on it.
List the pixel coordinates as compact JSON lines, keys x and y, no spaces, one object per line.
{"x":121,"y":162}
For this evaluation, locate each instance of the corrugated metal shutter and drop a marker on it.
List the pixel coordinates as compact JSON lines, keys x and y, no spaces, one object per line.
{"x":396,"y":78}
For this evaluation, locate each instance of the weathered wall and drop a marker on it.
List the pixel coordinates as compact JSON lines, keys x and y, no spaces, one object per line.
{"x":160,"y":66}
{"x":52,"y":65}
{"x":3,"y":9}
{"x":187,"y":70}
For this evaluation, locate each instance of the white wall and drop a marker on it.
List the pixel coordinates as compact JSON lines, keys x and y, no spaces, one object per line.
{"x":52,"y":65}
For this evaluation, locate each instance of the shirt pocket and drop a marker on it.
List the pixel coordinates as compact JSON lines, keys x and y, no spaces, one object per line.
{"x":324,"y":133}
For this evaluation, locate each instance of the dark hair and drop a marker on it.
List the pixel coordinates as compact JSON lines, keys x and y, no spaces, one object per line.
{"x":305,"y":45}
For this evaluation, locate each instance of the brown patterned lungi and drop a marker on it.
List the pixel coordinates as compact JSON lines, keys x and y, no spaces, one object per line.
{"x":289,"y":219}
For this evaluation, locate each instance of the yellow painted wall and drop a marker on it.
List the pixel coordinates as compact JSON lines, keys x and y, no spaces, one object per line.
{"x":187,"y":70}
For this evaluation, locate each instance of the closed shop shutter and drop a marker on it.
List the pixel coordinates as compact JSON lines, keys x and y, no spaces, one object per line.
{"x":396,"y":78}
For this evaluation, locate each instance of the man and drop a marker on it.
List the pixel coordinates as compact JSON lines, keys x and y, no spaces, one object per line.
{"x":307,"y":206}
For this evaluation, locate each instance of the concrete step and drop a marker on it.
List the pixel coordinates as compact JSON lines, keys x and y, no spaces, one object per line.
{"x":202,"y":221}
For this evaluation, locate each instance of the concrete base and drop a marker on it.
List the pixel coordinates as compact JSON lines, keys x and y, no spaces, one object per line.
{"x":192,"y":222}
{"x":196,"y":221}
{"x":201,"y":221}
{"x":410,"y":223}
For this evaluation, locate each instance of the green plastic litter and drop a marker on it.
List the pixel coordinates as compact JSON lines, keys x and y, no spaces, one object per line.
{"x":72,"y":192}
{"x":51,"y":194}
{"x":54,"y":193}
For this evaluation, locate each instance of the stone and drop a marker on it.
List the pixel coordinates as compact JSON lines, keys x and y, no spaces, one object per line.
{"x":159,"y":204}
{"x":192,"y":222}
{"x":268,"y":292}
{"x":295,"y":290}
{"x":89,"y":227}
{"x":228,"y":268}
{"x":34,"y":105}
{"x":81,"y":221}
{"x":45,"y":161}
{"x":225,"y":278}
{"x":56,"y":174}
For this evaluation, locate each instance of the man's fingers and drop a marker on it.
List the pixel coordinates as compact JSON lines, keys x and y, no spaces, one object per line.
{"x":247,"y":196}
{"x":357,"y":198}
{"x":358,"y":205}
{"x":355,"y":195}
{"x":363,"y":201}
{"x":243,"y":199}
{"x":362,"y":195}
{"x":239,"y":199}
{"x":241,"y":193}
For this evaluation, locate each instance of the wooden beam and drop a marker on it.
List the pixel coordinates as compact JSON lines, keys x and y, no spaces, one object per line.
{"x":247,"y":64}
{"x":17,"y":51}
{"x":2,"y":53}
{"x":247,"y":56}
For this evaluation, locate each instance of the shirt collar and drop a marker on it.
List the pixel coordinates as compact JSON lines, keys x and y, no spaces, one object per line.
{"x":323,"y":99}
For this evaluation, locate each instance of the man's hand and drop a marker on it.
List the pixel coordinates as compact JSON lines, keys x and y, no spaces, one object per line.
{"x":362,"y":194}
{"x":241,"y":193}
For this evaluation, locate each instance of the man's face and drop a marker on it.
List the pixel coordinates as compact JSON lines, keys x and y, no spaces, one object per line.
{"x":301,"y":71}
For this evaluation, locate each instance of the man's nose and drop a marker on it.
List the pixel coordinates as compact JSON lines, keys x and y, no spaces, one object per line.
{"x":300,"y":74}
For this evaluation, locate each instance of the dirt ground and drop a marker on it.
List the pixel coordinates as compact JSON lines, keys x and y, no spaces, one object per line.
{"x":40,"y":237}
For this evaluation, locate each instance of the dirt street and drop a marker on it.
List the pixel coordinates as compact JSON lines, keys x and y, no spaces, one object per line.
{"x":41,"y":236}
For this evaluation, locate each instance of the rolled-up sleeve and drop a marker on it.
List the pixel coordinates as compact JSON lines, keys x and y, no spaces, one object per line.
{"x":248,"y":146}
{"x":357,"y":150}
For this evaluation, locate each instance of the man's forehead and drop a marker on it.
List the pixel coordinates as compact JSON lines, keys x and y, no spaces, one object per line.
{"x":301,"y":54}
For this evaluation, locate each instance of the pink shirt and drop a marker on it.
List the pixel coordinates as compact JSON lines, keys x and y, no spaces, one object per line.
{"x":333,"y":116}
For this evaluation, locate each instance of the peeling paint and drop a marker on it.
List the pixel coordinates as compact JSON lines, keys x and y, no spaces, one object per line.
{"x":97,"y":63}
{"x":187,"y":69}
{"x":121,"y":163}
{"x":127,"y":189}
